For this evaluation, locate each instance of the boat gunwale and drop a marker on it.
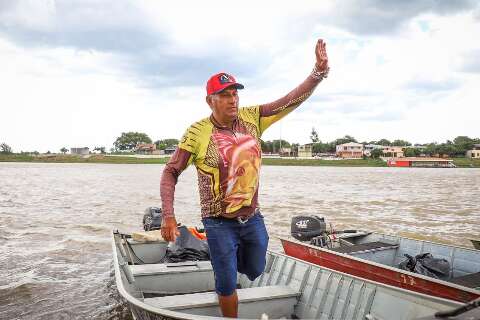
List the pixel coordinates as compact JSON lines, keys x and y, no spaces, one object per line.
{"x":380,"y":265}
{"x":426,"y":241}
{"x":408,"y":294}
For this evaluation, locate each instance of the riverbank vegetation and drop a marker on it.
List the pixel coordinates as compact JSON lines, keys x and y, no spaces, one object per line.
{"x":61,"y":158}
{"x":466,"y":163}
{"x":124,"y":151}
{"x":451,"y":148}
{"x":320,"y":162}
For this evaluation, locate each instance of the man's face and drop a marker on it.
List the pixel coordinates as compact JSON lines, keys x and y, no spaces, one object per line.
{"x":224,"y":104}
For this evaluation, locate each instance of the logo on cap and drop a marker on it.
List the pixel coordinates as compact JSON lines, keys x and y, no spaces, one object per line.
{"x":224,"y":78}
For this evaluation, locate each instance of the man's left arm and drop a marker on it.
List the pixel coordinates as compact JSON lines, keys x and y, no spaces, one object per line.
{"x":274,"y":111}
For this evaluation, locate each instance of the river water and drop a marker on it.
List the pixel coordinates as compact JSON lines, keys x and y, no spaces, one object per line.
{"x":56,"y":219}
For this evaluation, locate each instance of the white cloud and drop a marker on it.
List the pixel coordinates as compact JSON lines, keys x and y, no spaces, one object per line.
{"x":61,"y":97}
{"x":32,"y":14}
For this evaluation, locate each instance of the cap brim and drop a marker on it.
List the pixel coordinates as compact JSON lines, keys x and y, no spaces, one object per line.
{"x":234,"y":85}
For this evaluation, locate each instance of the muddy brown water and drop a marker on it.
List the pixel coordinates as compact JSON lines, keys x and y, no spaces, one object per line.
{"x":56,"y":219}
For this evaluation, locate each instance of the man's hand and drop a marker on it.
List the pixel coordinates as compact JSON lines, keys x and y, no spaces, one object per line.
{"x":321,"y":55}
{"x":169,"y":229}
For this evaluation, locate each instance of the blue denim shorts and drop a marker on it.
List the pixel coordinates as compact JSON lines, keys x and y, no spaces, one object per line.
{"x":236,"y":247}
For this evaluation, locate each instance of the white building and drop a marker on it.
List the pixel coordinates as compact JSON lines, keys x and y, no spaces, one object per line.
{"x":475,"y":153}
{"x":368,"y":148}
{"x":80,"y":151}
{"x":350,"y":150}
{"x":305,"y":151}
{"x":393,"y":152}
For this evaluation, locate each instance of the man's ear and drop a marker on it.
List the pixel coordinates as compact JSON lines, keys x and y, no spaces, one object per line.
{"x":208,"y":99}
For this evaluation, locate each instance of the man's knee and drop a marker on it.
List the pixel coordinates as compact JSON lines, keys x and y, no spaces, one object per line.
{"x":254,"y":271}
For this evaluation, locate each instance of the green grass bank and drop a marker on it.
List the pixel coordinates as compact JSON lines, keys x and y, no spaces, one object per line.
{"x":329,"y":163}
{"x":466,"y":162}
{"x":56,"y":158}
{"x":78,"y":159}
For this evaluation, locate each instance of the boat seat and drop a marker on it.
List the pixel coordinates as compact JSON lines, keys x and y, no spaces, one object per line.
{"x":469,"y":280}
{"x":366,"y":247}
{"x":275,"y":301}
{"x":170,"y":268}
{"x":171,"y":278}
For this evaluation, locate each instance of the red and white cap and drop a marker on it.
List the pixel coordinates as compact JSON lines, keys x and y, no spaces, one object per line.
{"x":221,"y":81}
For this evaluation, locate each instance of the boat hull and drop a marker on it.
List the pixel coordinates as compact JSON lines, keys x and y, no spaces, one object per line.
{"x":288,"y":288}
{"x":377,"y":272}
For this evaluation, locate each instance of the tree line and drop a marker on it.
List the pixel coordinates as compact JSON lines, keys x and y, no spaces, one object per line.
{"x":457,"y":147}
{"x":126,"y":142}
{"x":129,"y":140}
{"x":452,"y":148}
{"x":5,"y":148}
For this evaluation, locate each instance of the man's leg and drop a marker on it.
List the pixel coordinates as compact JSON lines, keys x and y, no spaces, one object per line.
{"x":223,"y":238}
{"x":229,"y":305}
{"x":253,"y":247}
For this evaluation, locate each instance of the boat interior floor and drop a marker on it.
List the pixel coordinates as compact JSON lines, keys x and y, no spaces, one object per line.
{"x":469,"y":280}
{"x":369,"y":246}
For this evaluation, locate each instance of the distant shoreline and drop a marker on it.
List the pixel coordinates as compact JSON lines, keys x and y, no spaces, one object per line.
{"x":116,"y":159}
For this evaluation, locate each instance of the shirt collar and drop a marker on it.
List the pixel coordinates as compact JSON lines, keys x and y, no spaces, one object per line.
{"x":219,"y":126}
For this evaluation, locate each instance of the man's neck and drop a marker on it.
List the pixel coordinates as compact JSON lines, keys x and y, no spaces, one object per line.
{"x":224,"y":123}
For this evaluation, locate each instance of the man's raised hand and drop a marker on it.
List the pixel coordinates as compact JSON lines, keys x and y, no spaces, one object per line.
{"x":321,"y":55}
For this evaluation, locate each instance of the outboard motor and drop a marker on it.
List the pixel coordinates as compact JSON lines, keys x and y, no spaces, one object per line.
{"x":152,"y":219}
{"x":304,"y":228}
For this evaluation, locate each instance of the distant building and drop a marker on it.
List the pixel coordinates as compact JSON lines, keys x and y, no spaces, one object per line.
{"x":305,"y":151}
{"x":393,"y":152}
{"x":368,"y":148}
{"x":286,"y":152}
{"x":80,"y":151}
{"x":145,"y":148}
{"x":350,"y":150}
{"x":475,"y":153}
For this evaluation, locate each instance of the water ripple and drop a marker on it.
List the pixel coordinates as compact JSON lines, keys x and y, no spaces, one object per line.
{"x":55,"y":221}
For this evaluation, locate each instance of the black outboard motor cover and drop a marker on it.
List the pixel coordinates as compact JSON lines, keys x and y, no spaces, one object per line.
{"x":304,"y":228}
{"x":152,"y":219}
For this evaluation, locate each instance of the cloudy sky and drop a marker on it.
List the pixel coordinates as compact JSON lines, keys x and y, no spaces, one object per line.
{"x":79,"y":73}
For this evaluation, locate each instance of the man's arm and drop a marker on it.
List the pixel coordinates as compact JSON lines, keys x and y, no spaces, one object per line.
{"x":177,"y":163}
{"x":274,"y":111}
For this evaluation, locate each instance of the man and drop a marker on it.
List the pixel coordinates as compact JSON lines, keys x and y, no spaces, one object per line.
{"x":225,"y":149}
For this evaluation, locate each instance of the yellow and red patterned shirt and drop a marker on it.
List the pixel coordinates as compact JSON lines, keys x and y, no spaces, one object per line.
{"x":228,"y":159}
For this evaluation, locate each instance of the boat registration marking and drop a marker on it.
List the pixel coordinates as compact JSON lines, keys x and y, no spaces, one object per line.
{"x":408,"y":279}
